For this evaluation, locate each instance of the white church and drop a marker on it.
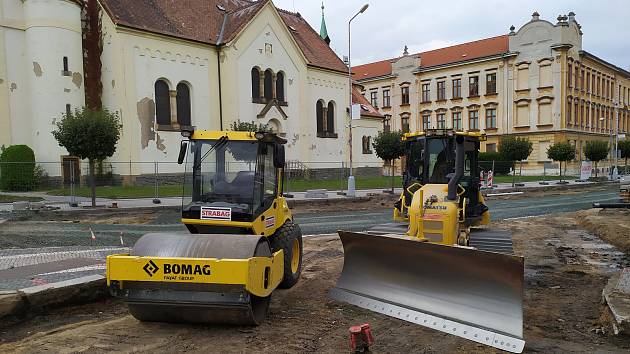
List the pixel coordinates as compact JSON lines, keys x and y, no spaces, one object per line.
{"x":165,"y":64}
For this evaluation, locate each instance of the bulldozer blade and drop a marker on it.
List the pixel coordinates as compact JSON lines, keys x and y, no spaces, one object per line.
{"x":473,"y":294}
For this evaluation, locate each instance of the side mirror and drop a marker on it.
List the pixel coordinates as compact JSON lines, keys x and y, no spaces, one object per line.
{"x":278,"y":156}
{"x":183,"y":146}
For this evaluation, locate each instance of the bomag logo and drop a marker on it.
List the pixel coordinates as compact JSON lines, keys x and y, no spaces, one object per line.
{"x":150,"y":268}
{"x":186,"y":269}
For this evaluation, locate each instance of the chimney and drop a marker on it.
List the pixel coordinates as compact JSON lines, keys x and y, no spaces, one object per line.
{"x":572,"y":16}
{"x":535,"y":16}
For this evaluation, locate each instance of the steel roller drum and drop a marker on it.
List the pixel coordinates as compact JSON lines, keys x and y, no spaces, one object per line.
{"x":473,"y":294}
{"x":197,"y":303}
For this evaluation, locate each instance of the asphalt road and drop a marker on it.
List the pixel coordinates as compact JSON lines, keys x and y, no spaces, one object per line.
{"x":50,"y":234}
{"x":330,"y":222}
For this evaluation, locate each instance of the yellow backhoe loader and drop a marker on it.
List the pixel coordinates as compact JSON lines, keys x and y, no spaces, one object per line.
{"x":242,"y":243}
{"x":431,"y":266}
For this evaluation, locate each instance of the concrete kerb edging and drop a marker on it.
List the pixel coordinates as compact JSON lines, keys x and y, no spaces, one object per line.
{"x":551,"y":187}
{"x":41,"y":297}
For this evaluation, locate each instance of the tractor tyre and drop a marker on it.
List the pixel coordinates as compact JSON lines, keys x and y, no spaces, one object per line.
{"x":289,"y":239}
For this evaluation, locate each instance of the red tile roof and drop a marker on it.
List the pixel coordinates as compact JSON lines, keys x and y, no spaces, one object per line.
{"x":449,"y":55}
{"x":465,"y":51}
{"x":376,"y":69}
{"x":366,"y":108}
{"x":202,"y":21}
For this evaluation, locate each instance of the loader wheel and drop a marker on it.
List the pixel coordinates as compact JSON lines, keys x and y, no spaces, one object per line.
{"x":289,"y":239}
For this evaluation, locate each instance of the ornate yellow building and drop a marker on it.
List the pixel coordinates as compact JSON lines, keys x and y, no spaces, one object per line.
{"x":536,"y":82}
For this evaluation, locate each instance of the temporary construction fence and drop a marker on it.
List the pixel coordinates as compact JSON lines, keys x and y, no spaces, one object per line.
{"x":118,"y":180}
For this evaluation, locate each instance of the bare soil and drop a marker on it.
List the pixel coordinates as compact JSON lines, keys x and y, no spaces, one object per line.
{"x":566,"y":269}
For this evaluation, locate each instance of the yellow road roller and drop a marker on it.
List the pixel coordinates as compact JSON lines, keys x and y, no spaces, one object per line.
{"x":242,"y":245}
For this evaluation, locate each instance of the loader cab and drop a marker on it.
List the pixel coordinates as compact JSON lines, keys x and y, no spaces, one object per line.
{"x":230,"y":179}
{"x":430,"y":159}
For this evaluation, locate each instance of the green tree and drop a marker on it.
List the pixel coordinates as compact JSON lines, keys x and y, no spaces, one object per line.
{"x":89,"y":134}
{"x":596,"y":150}
{"x":389,"y":146}
{"x":515,"y":149}
{"x":239,"y":126}
{"x":17,"y":168}
{"x":561,"y":152}
{"x":624,"y":148}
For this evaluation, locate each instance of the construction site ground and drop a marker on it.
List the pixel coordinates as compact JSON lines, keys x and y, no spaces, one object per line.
{"x":567,"y":265}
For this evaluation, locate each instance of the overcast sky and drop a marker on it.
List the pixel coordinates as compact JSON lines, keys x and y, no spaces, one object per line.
{"x":387,"y":26}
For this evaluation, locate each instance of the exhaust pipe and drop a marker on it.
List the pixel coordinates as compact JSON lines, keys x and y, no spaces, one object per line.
{"x":460,"y":154}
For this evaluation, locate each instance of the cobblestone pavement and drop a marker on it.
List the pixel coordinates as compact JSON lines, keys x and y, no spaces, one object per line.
{"x":22,"y":268}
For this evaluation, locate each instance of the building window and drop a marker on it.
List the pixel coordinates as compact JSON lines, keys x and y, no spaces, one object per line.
{"x":280,"y":86}
{"x":491,"y":118}
{"x":588,"y":82}
{"x":386,"y":98}
{"x":491,"y":84}
{"x":582,"y":79}
{"x":374,"y":99}
{"x":457,"y":120}
{"x":473,"y":120}
{"x":404,"y":92}
{"x":426,"y":122}
{"x":66,"y":70}
{"x":68,"y":110}
{"x":367,"y":144}
{"x":569,"y":116}
{"x":255,"y":84}
{"x":570,"y":76}
{"x":387,"y":121}
{"x":473,"y":86}
{"x":330,"y":118}
{"x":441,"y":90}
{"x":491,"y":147}
{"x":319,"y":111}
{"x":426,"y":93}
{"x":404,"y":123}
{"x":268,"y":85}
{"x":183,"y":104}
{"x":457,"y":88}
{"x":162,"y":103}
{"x":441,"y":121}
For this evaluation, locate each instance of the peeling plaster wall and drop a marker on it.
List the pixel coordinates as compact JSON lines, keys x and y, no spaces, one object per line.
{"x":34,"y":38}
{"x":132,"y":62}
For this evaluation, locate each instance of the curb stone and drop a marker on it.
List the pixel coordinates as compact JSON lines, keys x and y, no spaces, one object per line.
{"x":41,"y":297}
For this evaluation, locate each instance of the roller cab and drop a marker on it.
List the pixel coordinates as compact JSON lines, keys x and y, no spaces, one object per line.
{"x":242,"y":243}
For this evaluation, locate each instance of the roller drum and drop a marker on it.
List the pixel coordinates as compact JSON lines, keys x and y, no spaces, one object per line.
{"x":197,"y":303}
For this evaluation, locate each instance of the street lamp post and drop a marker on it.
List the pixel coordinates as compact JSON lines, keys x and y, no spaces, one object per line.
{"x":351,"y":184}
{"x":616,"y":104}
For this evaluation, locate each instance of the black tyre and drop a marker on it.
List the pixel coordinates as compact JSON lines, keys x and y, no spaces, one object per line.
{"x":289,"y":239}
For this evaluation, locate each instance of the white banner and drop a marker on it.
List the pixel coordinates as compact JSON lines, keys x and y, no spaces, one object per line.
{"x":356,"y":111}
{"x":585,"y":171}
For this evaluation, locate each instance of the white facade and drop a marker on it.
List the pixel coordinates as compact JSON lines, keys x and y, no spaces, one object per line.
{"x":35,"y":90}
{"x":35,"y":35}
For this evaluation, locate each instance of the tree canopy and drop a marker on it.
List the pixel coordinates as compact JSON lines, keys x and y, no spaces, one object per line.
{"x":561,"y":151}
{"x":389,"y":145}
{"x":89,"y":134}
{"x":515,"y":148}
{"x":239,"y":126}
{"x":596,"y":150}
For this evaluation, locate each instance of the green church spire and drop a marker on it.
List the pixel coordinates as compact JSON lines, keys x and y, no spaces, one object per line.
{"x":323,"y":32}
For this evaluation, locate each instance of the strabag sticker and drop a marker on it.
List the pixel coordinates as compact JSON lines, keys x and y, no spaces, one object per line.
{"x":208,"y":213}
{"x":270,"y":222}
